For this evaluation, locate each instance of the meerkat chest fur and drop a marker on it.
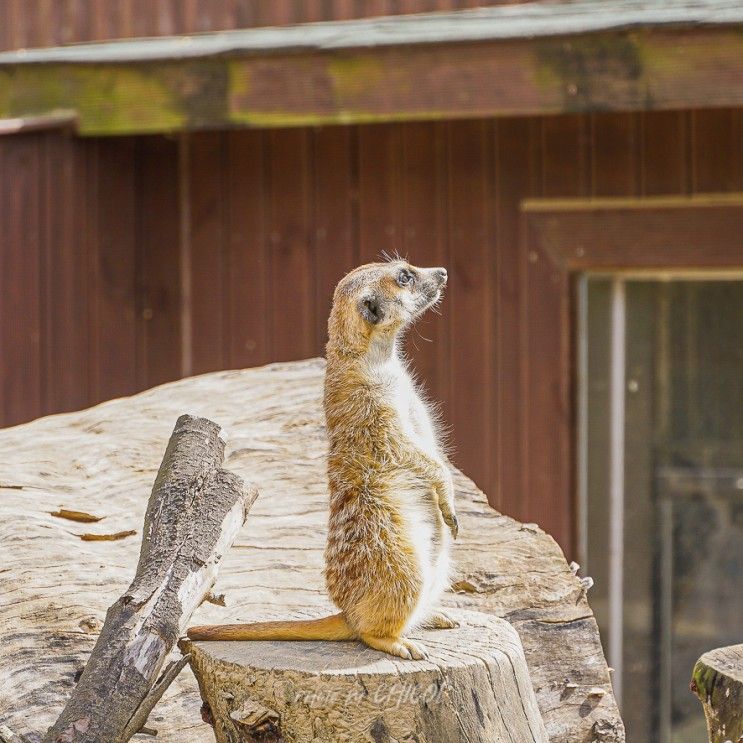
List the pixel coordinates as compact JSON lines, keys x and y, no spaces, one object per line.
{"x":413,"y":495}
{"x":400,"y":392}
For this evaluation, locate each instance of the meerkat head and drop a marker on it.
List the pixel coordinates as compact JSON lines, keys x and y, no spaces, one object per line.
{"x":378,"y":300}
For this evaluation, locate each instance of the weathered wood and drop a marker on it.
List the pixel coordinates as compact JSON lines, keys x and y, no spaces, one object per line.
{"x":718,"y":682}
{"x":56,"y":587}
{"x":540,"y":59}
{"x":194,"y":513}
{"x":8,"y":736}
{"x":474,"y":688}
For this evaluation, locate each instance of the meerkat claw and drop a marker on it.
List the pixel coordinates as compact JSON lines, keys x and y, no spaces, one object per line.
{"x":450,"y":519}
{"x":416,"y":650}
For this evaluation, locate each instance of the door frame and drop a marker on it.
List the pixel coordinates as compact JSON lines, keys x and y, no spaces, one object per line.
{"x":560,"y":239}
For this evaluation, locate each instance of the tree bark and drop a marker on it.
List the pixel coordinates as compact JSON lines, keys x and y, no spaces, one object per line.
{"x":194,"y":513}
{"x":474,"y":688}
{"x":718,"y":682}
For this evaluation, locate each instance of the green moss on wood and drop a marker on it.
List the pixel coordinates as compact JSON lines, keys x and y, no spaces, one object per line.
{"x":718,"y":686}
{"x":109,"y":99}
{"x":593,"y":72}
{"x":604,"y":71}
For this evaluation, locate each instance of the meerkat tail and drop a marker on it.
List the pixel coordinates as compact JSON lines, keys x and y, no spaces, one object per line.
{"x":328,"y":628}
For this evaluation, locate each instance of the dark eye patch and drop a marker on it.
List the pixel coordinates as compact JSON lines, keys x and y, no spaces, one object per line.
{"x":371,"y":309}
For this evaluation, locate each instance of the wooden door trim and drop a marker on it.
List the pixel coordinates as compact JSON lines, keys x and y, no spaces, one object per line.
{"x":560,"y":238}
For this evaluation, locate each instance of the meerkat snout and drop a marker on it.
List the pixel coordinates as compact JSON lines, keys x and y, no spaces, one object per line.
{"x":375,"y":302}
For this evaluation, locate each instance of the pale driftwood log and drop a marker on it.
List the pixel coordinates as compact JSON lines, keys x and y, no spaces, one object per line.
{"x":55,"y":588}
{"x":474,"y":688}
{"x":718,"y":682}
{"x":194,"y":514}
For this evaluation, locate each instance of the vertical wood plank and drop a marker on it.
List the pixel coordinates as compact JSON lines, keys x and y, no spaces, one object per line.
{"x":109,"y":20}
{"x":111,"y":230}
{"x":158,"y":263}
{"x":717,"y":150}
{"x":380,"y":198}
{"x":64,"y":276}
{"x":291,"y":253}
{"x":615,"y":147}
{"x":335,"y":217}
{"x":424,"y":241}
{"x":249,"y":338}
{"x":565,"y":163}
{"x":470,"y":323}
{"x":209,"y":294}
{"x":663,"y":153}
{"x":20,"y":160}
{"x":518,"y":175}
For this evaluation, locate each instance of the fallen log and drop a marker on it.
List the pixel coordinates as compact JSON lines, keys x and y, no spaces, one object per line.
{"x":194,"y":513}
{"x":718,"y":682}
{"x":474,"y":688}
{"x":56,"y":587}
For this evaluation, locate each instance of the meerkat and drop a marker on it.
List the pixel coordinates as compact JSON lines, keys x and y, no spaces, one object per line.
{"x":392,"y":514}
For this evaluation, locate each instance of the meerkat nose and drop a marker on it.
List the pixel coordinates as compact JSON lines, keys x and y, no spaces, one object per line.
{"x":441,"y":275}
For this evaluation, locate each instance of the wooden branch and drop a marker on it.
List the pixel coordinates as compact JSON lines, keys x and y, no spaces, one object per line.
{"x":718,"y":682}
{"x":194,"y":513}
{"x":475,"y":687}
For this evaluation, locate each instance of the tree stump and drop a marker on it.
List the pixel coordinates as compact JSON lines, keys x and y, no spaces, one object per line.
{"x":718,"y":682}
{"x":475,"y":687}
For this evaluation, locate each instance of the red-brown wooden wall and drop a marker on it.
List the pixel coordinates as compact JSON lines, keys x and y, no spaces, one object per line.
{"x":98,"y":239}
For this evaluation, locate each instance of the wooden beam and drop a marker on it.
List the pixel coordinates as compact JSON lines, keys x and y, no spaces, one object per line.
{"x":660,"y":233}
{"x":256,"y":80}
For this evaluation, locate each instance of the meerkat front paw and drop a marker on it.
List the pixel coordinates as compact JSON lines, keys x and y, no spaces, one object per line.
{"x":450,"y":519}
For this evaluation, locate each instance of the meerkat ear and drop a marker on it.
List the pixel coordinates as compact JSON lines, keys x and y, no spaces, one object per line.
{"x":371,"y":309}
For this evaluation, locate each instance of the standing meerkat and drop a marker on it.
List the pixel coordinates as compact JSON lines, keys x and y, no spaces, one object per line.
{"x":392,"y":510}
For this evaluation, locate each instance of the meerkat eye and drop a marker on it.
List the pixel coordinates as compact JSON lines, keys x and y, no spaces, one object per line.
{"x":405,"y":277}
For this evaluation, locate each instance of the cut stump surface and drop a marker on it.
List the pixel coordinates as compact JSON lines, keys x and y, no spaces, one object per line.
{"x":473,"y":688}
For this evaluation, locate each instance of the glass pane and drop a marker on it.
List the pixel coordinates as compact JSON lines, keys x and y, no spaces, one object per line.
{"x":683,"y":488}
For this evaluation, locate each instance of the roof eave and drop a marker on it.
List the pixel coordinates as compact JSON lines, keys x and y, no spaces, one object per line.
{"x":479,"y":68}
